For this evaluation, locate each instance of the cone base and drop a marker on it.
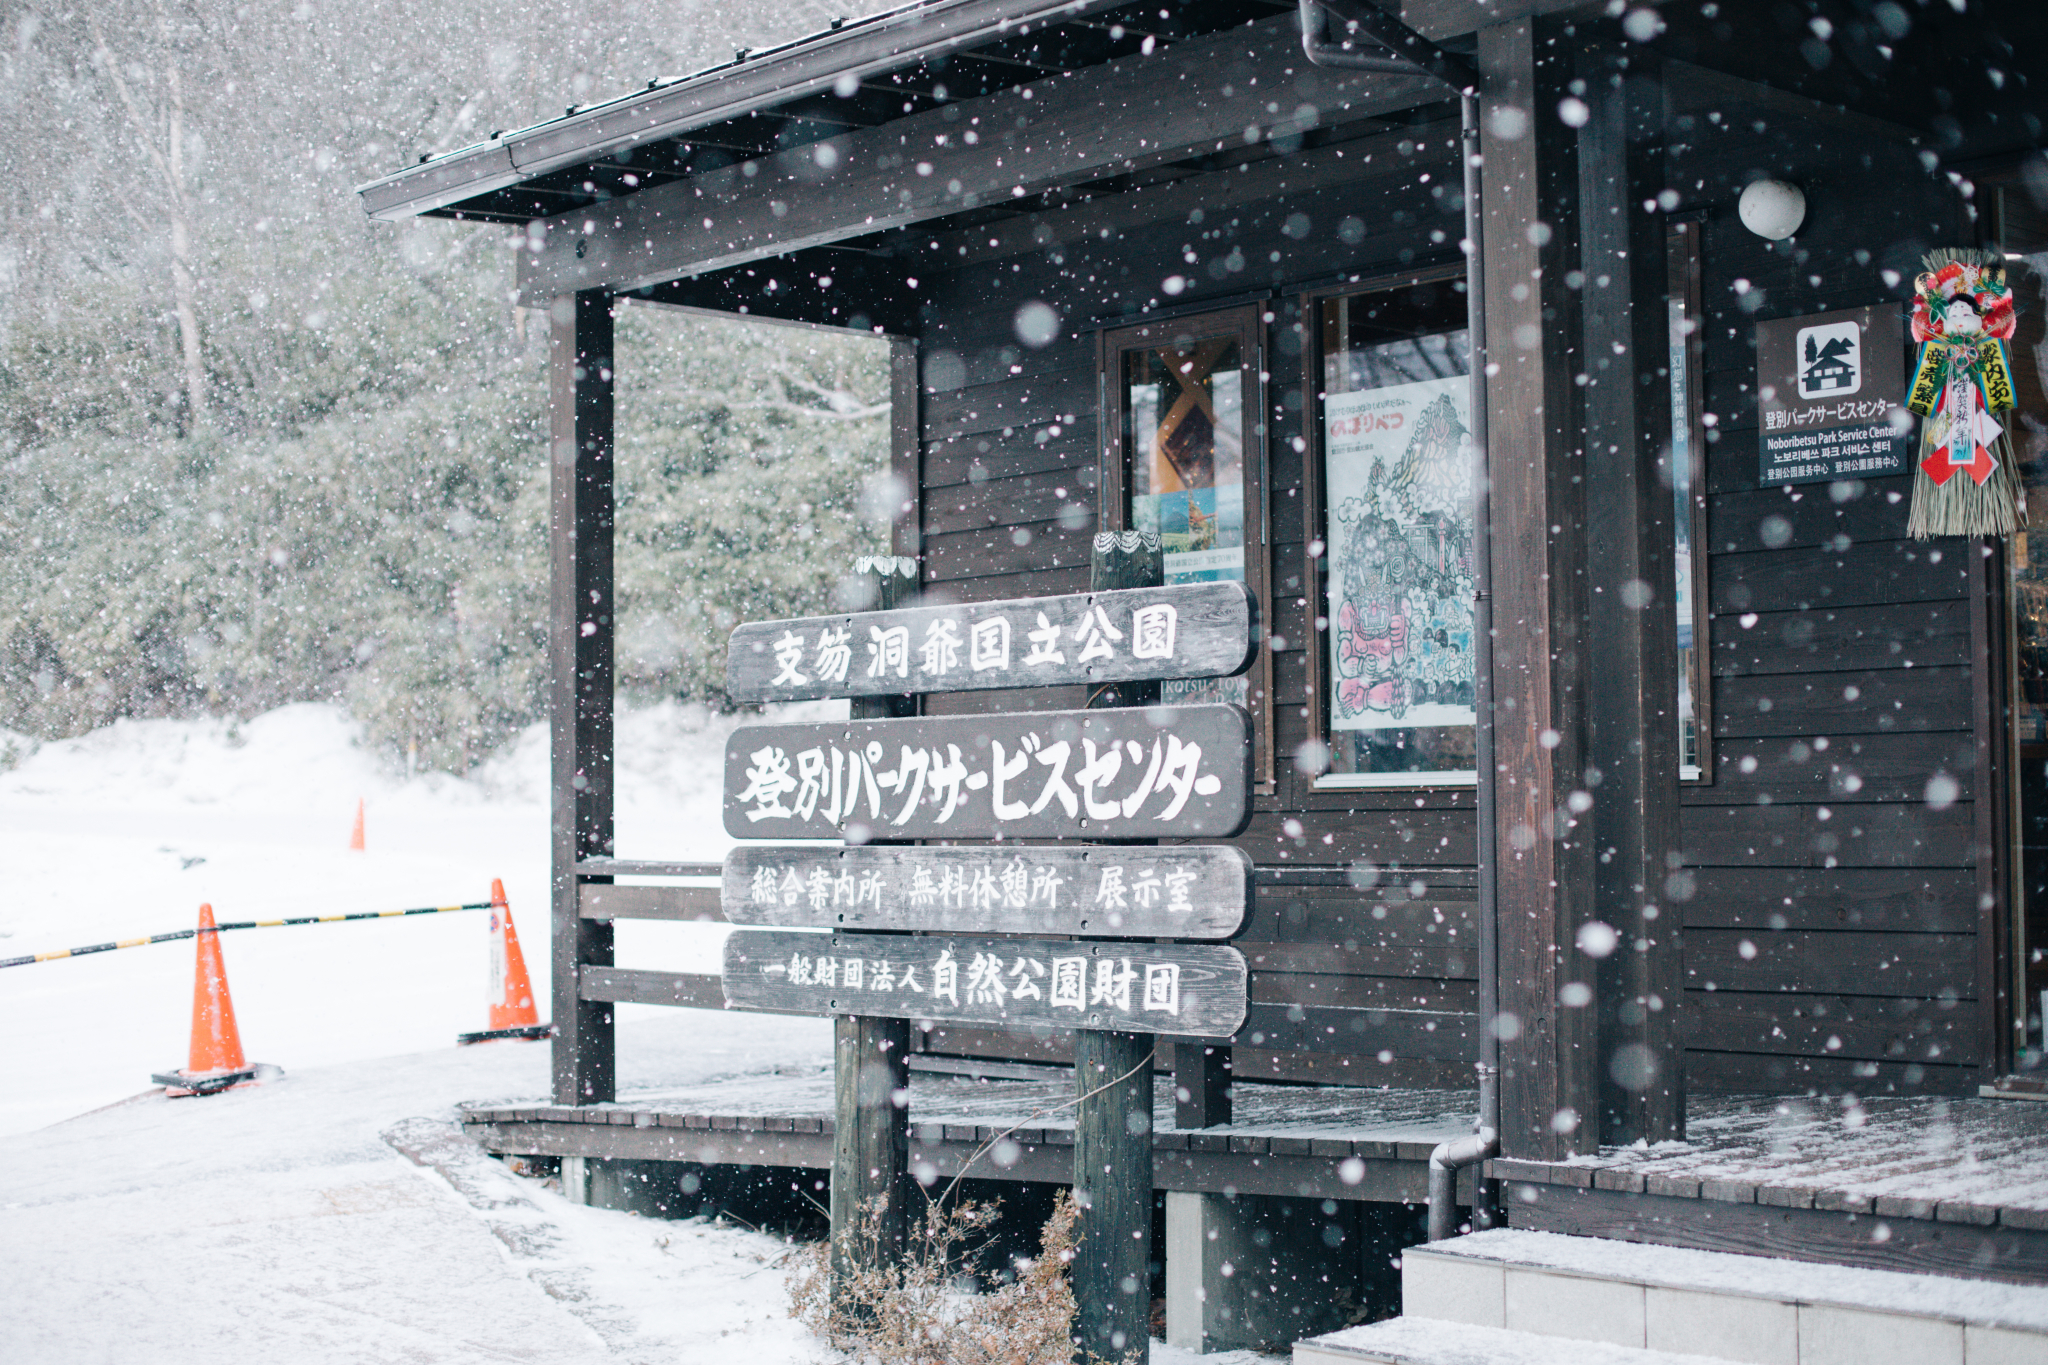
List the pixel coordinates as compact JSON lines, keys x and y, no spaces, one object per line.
{"x":179,"y":1084}
{"x":487,"y":1035}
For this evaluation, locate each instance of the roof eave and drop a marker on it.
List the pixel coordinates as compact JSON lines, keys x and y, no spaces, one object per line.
{"x":809,"y":64}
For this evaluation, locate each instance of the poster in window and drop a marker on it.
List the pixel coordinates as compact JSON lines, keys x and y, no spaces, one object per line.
{"x":1400,"y":539}
{"x":1186,"y":441}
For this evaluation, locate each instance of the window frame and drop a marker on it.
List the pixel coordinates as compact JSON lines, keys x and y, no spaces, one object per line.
{"x":1315,"y":594}
{"x":1249,"y":323}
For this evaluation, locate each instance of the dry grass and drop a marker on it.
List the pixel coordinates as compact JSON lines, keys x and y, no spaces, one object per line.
{"x":925,"y":1311}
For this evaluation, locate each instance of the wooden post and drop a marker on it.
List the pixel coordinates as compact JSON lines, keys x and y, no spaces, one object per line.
{"x":1112,"y":1269}
{"x":580,"y":629}
{"x":1549,"y":1090}
{"x":872,"y":1192}
{"x":1632,"y":697}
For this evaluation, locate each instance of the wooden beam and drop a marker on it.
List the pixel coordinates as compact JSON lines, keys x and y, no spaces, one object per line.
{"x":1197,"y":97}
{"x":624,"y":985}
{"x":1632,"y":698}
{"x":580,"y":630}
{"x":600,"y":901}
{"x":1544,"y":855}
{"x":1383,"y":155}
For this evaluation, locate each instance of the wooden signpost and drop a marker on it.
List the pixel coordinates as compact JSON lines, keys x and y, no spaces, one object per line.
{"x":1159,"y":772}
{"x":1191,"y":630}
{"x":913,"y":927}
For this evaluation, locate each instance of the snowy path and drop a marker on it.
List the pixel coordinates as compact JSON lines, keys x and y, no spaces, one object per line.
{"x":275,"y":1223}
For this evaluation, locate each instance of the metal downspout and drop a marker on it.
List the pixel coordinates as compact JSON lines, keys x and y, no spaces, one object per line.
{"x":1402,"y":50}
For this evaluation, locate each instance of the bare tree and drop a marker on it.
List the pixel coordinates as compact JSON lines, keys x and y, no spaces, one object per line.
{"x":160,"y":127}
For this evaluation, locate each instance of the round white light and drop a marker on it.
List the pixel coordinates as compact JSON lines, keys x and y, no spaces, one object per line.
{"x":1772,"y":208}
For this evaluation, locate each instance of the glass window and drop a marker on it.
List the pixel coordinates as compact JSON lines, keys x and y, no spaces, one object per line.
{"x":1394,"y":537}
{"x":1184,"y":464}
{"x":1689,"y":503}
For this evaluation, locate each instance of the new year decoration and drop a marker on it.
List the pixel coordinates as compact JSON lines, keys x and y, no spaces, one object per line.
{"x":1962,"y":316}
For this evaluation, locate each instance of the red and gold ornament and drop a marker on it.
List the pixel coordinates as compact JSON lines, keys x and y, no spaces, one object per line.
{"x":1962,"y":318}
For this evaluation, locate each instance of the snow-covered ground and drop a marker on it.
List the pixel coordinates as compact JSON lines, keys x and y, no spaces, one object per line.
{"x":277,"y":1223}
{"x":333,"y":1214}
{"x":125,"y":831}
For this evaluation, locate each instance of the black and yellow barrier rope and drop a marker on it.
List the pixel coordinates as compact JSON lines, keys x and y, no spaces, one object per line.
{"x":235,"y":924}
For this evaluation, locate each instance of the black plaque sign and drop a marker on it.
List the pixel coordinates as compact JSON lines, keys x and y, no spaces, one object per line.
{"x":1118,"y":891}
{"x":1831,"y":396}
{"x":1143,"y":773}
{"x":1190,"y":630}
{"x":1195,"y":990}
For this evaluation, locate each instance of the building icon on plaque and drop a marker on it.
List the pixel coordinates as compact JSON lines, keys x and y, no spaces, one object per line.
{"x":1830,"y":360}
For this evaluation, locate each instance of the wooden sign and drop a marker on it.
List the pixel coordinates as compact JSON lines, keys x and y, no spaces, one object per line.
{"x":1118,"y":891}
{"x":1195,"y":990}
{"x":1144,"y":773}
{"x":1190,"y":630}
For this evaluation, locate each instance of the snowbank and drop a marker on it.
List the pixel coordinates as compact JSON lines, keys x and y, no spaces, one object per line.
{"x":125,"y":831}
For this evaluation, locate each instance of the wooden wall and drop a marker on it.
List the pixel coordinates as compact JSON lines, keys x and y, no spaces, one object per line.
{"x":1364,"y":977}
{"x":1835,"y":933}
{"x":1831,"y":909}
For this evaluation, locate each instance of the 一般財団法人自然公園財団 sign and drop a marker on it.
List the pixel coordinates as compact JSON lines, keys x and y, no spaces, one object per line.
{"x":1190,"y":990}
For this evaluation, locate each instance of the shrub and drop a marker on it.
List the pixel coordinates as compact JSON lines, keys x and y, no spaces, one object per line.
{"x":924,"y":1310}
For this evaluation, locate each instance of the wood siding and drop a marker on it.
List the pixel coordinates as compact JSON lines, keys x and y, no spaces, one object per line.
{"x":1830,"y":906}
{"x":1369,"y":983}
{"x":1831,"y":910}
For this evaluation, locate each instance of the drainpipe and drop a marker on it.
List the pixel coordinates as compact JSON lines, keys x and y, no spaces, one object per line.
{"x":1399,"y":49}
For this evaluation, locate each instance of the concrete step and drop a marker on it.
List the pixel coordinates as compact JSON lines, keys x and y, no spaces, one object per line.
{"x":1425,"y":1341}
{"x":1758,"y":1310}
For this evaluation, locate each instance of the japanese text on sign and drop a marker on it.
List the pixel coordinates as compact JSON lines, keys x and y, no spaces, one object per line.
{"x":1113,"y":772}
{"x":1189,"y":630}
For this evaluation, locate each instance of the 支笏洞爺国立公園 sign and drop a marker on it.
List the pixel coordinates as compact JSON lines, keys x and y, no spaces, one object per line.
{"x":1189,"y":630}
{"x":1117,"y":891}
{"x":1190,"y":990}
{"x":1152,"y":772}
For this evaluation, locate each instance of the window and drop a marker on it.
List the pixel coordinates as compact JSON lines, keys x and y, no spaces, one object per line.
{"x":1391,"y":534}
{"x":1183,"y":457}
{"x":1689,"y":503}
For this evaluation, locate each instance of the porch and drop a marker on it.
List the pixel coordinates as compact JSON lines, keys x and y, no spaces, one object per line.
{"x":1911,"y":1183}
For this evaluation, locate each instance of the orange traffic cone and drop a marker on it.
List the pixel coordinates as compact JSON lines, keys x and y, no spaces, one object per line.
{"x":355,"y":841}
{"x":216,"y":1061}
{"x":512,"y":1012}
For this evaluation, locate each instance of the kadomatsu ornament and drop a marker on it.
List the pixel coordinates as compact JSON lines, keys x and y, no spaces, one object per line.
{"x":1962,"y":315}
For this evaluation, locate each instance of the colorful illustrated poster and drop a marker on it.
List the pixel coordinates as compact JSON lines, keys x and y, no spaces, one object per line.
{"x":1399,"y":478}
{"x":1186,"y":415}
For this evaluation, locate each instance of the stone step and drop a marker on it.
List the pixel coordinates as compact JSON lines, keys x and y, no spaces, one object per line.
{"x":1425,"y":1341}
{"x":1758,"y":1310}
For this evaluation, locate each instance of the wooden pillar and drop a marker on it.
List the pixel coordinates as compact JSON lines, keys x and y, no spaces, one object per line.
{"x":1201,"y":1084}
{"x":580,"y":628}
{"x":1549,"y":1072}
{"x":1112,"y":1269}
{"x":1632,"y":713}
{"x":873,"y":1194}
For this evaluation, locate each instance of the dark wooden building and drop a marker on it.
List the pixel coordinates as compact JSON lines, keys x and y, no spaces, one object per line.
{"x":1766,"y":793}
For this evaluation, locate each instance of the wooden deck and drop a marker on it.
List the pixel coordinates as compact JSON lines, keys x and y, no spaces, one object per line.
{"x":1957,"y":1186}
{"x":1301,"y":1141}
